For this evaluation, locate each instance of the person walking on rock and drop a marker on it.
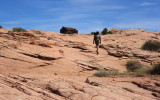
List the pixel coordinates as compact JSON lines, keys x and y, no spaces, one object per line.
{"x":97,"y":40}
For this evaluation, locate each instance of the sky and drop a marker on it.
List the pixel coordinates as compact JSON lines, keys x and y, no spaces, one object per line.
{"x":85,"y":15}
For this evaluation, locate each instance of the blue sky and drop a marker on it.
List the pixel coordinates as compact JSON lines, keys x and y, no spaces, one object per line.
{"x":85,"y":15}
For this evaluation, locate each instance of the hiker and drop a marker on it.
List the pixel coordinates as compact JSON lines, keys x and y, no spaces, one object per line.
{"x":97,"y":40}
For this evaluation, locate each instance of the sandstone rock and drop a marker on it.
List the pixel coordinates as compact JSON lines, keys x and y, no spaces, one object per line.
{"x":99,"y":98}
{"x":80,"y":47}
{"x":115,"y":53}
{"x":45,"y":45}
{"x":156,"y":95}
{"x":44,"y":56}
{"x":147,"y":85}
{"x":104,"y":47}
{"x":17,"y":90}
{"x":64,"y":79}
{"x":66,"y":90}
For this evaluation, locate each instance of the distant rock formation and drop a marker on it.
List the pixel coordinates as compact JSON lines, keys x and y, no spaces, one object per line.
{"x":68,"y":30}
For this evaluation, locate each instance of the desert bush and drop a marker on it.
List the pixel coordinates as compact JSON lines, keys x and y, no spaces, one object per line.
{"x":101,"y":73}
{"x":18,"y":29}
{"x":38,"y":32}
{"x":1,"y":26}
{"x":141,"y":72}
{"x":133,"y":65}
{"x":156,"y":69}
{"x":151,"y":45}
{"x":109,"y":32}
{"x":113,"y":72}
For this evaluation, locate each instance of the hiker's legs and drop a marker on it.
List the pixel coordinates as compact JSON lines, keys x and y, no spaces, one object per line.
{"x":97,"y":46}
{"x":97,"y":49}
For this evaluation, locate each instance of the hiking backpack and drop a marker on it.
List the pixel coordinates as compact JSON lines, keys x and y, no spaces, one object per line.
{"x":97,"y":37}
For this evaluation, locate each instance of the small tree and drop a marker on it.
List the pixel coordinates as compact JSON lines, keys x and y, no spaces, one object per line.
{"x":92,"y":33}
{"x":105,"y":31}
{"x":1,"y":26}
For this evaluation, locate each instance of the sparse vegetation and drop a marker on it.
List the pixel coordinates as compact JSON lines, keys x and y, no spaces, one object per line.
{"x":19,"y":29}
{"x":113,"y":72}
{"x":1,"y":26}
{"x":141,"y":72}
{"x":94,"y":84}
{"x":133,"y":65}
{"x":38,"y":32}
{"x":92,"y":33}
{"x":101,"y":73}
{"x":151,"y":45}
{"x":156,"y":69}
{"x":13,"y":46}
{"x":109,"y":32}
{"x":105,"y":31}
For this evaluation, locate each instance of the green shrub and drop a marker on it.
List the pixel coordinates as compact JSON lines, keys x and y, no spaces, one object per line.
{"x":105,"y":31}
{"x":109,"y":32}
{"x":151,"y":45}
{"x":101,"y":73}
{"x":92,"y":33}
{"x":19,"y":29}
{"x":156,"y":69}
{"x":133,"y":65}
{"x":1,"y":26}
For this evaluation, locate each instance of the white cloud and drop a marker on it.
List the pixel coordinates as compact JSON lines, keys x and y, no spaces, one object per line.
{"x":74,"y":16}
{"x":94,"y":5}
{"x":152,"y":24}
{"x":79,"y":2}
{"x":147,"y":4}
{"x":110,"y":7}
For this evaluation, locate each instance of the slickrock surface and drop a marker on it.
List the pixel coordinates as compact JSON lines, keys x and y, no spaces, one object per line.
{"x":53,"y":66}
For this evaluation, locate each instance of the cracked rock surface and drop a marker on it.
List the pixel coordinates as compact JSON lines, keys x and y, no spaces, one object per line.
{"x":53,"y":66}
